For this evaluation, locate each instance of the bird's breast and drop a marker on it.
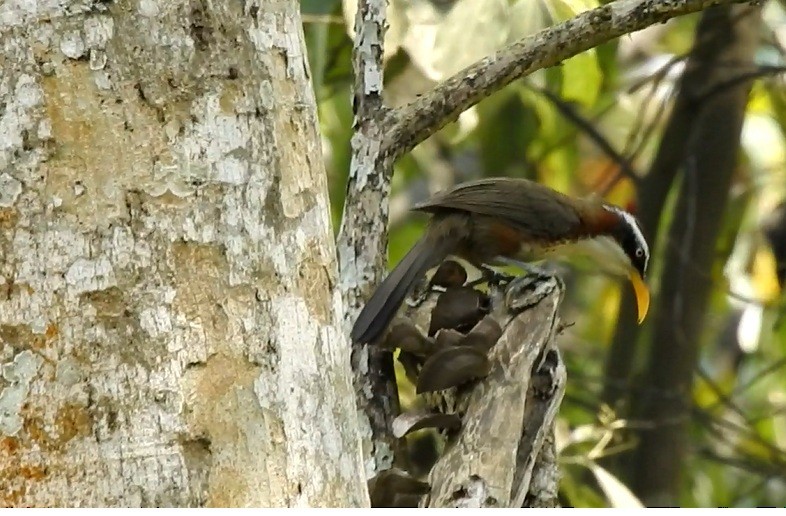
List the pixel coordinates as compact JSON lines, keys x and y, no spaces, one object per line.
{"x":530,"y":251}
{"x":492,"y":238}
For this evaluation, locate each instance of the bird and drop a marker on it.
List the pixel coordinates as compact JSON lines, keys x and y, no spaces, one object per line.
{"x":499,"y":220}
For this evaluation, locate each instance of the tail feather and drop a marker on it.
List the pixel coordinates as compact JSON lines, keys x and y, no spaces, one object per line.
{"x":387,"y":298}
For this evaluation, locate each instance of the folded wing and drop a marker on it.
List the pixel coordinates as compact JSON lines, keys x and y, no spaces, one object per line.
{"x":540,"y":212}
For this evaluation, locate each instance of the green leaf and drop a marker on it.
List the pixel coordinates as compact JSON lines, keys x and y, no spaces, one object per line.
{"x":582,"y":78}
{"x":507,"y":126}
{"x":441,"y":41}
{"x":577,"y":491}
{"x":581,"y":74}
{"x":318,"y":7}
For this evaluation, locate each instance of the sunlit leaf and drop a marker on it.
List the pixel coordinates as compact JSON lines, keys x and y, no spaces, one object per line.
{"x":581,"y":78}
{"x":618,"y":495}
{"x":581,"y":74}
{"x":443,"y":40}
{"x":528,"y":17}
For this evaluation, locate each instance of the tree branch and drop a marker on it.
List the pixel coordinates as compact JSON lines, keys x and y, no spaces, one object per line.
{"x":413,"y":123}
{"x":363,"y":236}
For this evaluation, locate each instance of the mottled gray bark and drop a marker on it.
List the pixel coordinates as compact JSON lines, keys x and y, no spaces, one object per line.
{"x":363,"y":237}
{"x":170,"y":332}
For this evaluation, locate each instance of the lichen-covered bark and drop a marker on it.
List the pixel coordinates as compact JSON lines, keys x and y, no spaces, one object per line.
{"x":362,"y":243}
{"x":169,"y":328}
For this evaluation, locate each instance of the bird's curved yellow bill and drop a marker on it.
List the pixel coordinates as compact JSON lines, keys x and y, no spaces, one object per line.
{"x":642,"y":294}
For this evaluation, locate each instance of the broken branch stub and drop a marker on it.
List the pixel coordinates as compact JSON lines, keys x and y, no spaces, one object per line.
{"x":509,"y":414}
{"x":503,"y":380}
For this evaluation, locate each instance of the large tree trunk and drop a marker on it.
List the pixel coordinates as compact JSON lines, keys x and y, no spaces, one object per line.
{"x":169,"y":330}
{"x":727,"y":39}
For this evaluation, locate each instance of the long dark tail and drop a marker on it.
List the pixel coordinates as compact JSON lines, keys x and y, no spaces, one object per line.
{"x":387,"y":299}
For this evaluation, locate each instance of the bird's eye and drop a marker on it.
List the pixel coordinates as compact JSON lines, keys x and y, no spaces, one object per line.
{"x":639,"y":252}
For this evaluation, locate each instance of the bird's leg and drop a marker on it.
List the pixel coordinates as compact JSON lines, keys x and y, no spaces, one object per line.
{"x":418,"y":297}
{"x":494,"y":277}
{"x":421,"y":292}
{"x":529,"y":268}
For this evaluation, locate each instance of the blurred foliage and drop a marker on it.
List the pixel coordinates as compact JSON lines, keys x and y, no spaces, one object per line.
{"x":623,"y":89}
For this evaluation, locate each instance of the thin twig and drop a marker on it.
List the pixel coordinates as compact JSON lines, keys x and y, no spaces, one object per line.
{"x":757,"y":73}
{"x":592,"y":133}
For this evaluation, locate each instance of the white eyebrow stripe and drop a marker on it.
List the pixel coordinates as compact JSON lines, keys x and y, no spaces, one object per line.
{"x":633,"y":223}
{"x":636,"y":229}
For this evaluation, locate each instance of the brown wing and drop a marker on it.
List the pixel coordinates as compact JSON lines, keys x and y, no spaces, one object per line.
{"x":539,"y":211}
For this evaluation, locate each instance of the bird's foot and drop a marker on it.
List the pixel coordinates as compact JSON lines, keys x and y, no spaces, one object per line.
{"x":529,"y":290}
{"x":492,"y":277}
{"x":539,"y":271}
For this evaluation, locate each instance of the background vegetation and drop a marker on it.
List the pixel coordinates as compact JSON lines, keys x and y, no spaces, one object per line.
{"x":594,"y":125}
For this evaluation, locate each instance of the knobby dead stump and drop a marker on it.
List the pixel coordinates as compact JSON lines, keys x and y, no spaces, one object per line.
{"x":488,"y":369}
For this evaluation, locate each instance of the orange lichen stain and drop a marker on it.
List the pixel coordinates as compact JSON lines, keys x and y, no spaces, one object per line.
{"x":51,"y":332}
{"x":38,"y":342}
{"x":34,"y":429}
{"x":8,"y":217}
{"x":15,"y":477}
{"x":10,"y":498}
{"x":9,"y":445}
{"x":231,"y":488}
{"x":72,"y":421}
{"x":32,"y":472}
{"x":22,"y":336}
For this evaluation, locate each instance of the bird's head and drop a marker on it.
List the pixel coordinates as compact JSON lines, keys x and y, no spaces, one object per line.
{"x":612,"y":237}
{"x":629,"y":253}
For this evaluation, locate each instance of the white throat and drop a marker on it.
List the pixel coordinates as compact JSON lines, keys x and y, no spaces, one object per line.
{"x":602,"y":250}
